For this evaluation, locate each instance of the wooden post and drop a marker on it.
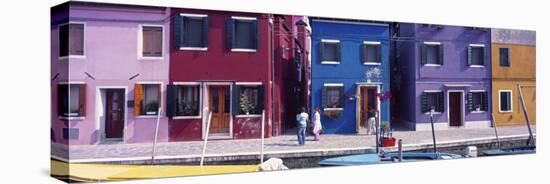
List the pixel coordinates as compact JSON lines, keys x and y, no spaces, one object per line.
{"x":495,"y":128}
{"x":155,"y":139}
{"x":206,"y":137}
{"x":400,"y":149}
{"x":526,"y":116}
{"x":433,"y":129}
{"x":263,"y":132}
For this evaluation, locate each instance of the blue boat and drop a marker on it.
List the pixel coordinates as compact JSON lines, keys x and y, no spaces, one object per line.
{"x":511,"y":151}
{"x":373,"y":158}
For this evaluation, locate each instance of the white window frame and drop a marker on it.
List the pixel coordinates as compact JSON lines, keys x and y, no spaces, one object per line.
{"x":329,"y":41}
{"x":511,"y":101}
{"x":160,"y":100}
{"x":248,"y":84}
{"x":140,"y":42}
{"x":373,"y":43}
{"x":241,"y":18}
{"x":431,"y":64}
{"x":68,"y":57}
{"x":192,"y":15}
{"x":79,"y":117}
{"x":433,"y":91}
{"x":478,"y":46}
{"x":200,"y":99}
{"x":334,"y":85}
{"x":480,"y":91}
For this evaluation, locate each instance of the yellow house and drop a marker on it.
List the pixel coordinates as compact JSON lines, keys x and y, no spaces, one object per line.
{"x":513,"y":68}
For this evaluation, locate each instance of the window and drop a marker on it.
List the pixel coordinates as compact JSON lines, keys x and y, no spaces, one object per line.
{"x":71,"y":100}
{"x":330,"y":51}
{"x":371,"y":53}
{"x":188,"y":100}
{"x":71,"y":39}
{"x":476,"y":55}
{"x":431,"y":100}
{"x":242,"y":34}
{"x":504,"y":57}
{"x":250,"y":99}
{"x":505,"y":101}
{"x":191,"y":31}
{"x":151,"y":41}
{"x":333,"y":96}
{"x":478,"y":101}
{"x":432,"y":54}
{"x":146,"y":99}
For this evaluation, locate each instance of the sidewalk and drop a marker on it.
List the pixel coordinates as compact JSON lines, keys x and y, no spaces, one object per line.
{"x":279,"y":144}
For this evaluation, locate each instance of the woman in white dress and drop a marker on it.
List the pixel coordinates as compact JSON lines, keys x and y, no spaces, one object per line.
{"x":317,"y":127}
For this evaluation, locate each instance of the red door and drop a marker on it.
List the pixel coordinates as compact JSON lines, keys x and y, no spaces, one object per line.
{"x":114,"y":111}
{"x":455,"y":109}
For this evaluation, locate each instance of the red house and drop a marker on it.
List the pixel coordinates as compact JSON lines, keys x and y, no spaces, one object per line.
{"x":222,"y":63}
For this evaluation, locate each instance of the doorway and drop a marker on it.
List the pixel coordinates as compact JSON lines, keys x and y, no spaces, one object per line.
{"x":114,"y":113}
{"x":367,"y":100}
{"x":455,"y":109}
{"x":219,"y":99}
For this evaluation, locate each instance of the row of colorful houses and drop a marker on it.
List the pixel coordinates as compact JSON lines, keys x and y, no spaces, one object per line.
{"x":115,"y":66}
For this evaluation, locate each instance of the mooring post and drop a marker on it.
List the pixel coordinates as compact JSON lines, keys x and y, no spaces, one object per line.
{"x":155,"y":139}
{"x":400,"y":149}
{"x":206,"y":137}
{"x":376,"y":126}
{"x":526,"y":116}
{"x":263,"y":140}
{"x":433,"y":130}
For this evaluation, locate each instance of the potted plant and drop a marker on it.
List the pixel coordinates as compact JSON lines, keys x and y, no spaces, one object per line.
{"x":151,"y":108}
{"x":246,"y":106}
{"x":478,"y":107}
{"x":387,"y":140}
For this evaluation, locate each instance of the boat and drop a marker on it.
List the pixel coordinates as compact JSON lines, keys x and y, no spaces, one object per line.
{"x":373,"y":158}
{"x":510,"y":151}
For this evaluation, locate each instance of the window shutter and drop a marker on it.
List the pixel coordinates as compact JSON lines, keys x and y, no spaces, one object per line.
{"x":379,"y":53}
{"x":205,"y":31}
{"x":236,"y":100}
{"x":441,"y":54}
{"x":338,"y":56}
{"x":440,"y":102}
{"x":341,"y":96}
{"x":61,"y":89}
{"x":171,"y":100}
{"x":484,"y":54}
{"x":138,"y":98}
{"x":485,"y":101}
{"x":469,"y":55}
{"x":261,"y":99}
{"x":82,"y":100}
{"x":324,"y":97}
{"x":364,"y":53}
{"x":230,"y":31}
{"x":424,"y":102}
{"x":178,"y":31}
{"x":470,"y":101}
{"x":423,"y":54}
{"x":255,"y":31}
{"x":321,"y":51}
{"x":508,"y":59}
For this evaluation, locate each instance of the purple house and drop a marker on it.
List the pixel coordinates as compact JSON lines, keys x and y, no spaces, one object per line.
{"x":444,"y":69}
{"x":109,"y":69}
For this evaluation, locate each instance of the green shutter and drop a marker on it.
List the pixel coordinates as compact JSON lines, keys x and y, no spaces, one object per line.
{"x":469,"y":55}
{"x":342,"y":99}
{"x":261,"y":99}
{"x":423,"y":54}
{"x":205,"y":31}
{"x":440,"y":102}
{"x":324,"y":97}
{"x":338,"y":55}
{"x":230,"y":30}
{"x":484,"y":56}
{"x":424,"y":102}
{"x":379,"y":53}
{"x":178,"y":31}
{"x":441,"y":54}
{"x":255,"y":31}
{"x":470,"y":104}
{"x":171,"y":100}
{"x":485,"y":101}
{"x":236,"y":95}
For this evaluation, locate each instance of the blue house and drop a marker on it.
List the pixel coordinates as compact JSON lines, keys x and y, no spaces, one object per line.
{"x":350,"y":73}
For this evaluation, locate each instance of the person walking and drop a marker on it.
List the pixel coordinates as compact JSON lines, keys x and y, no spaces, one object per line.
{"x":302,"y":119}
{"x":317,"y":127}
{"x":371,"y":120}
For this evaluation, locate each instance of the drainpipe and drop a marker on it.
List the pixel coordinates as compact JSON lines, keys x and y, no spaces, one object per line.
{"x":273,"y":125}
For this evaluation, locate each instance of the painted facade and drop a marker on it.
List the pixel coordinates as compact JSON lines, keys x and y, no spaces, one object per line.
{"x":519,"y":47}
{"x":109,"y":61}
{"x":436,"y":67}
{"x":345,"y":74}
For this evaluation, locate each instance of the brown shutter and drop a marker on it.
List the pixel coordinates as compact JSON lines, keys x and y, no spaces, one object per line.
{"x":138,"y":98}
{"x":82,"y":100}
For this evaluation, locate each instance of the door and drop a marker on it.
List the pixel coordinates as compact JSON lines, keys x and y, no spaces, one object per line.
{"x":455,"y":108}
{"x":219,"y":104}
{"x":367,"y":100}
{"x":114,"y":113}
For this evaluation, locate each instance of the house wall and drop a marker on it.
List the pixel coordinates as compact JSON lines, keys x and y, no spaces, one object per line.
{"x":522,"y":71}
{"x":455,"y":71}
{"x":350,"y":71}
{"x":220,"y":64}
{"x":111,"y":58}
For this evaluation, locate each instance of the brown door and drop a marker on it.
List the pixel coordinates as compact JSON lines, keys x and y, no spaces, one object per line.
{"x":114,"y":120}
{"x":455,"y":109}
{"x":220,"y":100}
{"x":367,"y":99}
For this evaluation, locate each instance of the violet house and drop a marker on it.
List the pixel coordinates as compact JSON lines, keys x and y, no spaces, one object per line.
{"x":109,"y":72}
{"x":445,"y":69}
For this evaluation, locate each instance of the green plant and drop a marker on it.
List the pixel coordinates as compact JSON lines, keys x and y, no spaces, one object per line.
{"x":385,"y":124}
{"x":246,"y":106}
{"x":151,"y":107}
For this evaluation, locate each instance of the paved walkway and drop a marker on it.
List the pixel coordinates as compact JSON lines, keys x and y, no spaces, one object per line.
{"x":285,"y":143}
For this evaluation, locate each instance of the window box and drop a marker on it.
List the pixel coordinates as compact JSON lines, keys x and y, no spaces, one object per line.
{"x":151,"y":42}
{"x":242,"y":34}
{"x":432,"y":54}
{"x":191,"y":32}
{"x":330,"y":52}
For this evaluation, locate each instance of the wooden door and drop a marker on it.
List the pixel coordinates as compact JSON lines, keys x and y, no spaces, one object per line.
{"x":367,"y":99}
{"x":219,"y":104}
{"x":114,"y":113}
{"x":455,"y":109}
